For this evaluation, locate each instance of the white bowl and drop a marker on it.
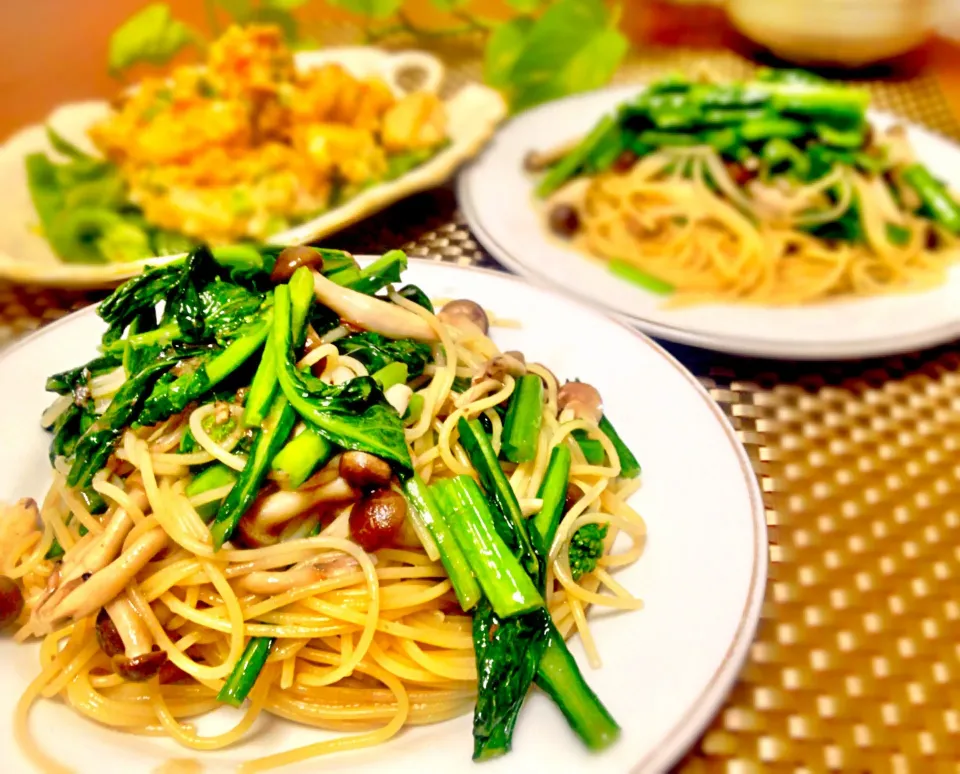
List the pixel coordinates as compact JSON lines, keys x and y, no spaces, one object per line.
{"x":849,"y":33}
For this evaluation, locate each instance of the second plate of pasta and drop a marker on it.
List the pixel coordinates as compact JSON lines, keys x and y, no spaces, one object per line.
{"x":821,"y":254}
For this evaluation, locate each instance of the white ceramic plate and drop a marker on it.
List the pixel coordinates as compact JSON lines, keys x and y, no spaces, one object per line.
{"x":496,"y":195}
{"x":472,"y":114}
{"x":666,"y":668}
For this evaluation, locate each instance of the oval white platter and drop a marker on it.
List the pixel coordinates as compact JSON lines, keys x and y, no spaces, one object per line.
{"x":497,"y":198}
{"x":473,"y":113}
{"x":667,"y":667}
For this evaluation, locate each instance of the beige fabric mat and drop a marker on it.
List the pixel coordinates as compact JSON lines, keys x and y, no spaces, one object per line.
{"x":856,"y":666}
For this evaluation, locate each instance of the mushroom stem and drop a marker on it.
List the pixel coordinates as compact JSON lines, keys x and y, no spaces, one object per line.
{"x":103,"y":586}
{"x":371,"y":313}
{"x":312,"y":571}
{"x":88,"y":557}
{"x":136,"y":637}
{"x":286,"y":504}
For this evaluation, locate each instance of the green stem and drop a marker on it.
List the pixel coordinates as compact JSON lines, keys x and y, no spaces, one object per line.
{"x":510,"y":522}
{"x":244,"y":675}
{"x":553,"y":494}
{"x":423,"y":509}
{"x":273,"y":433}
{"x":629,"y":466}
{"x":302,"y":455}
{"x":521,"y":428}
{"x":560,"y":677}
{"x":504,"y":582}
{"x":265,"y":384}
{"x":214,"y":477}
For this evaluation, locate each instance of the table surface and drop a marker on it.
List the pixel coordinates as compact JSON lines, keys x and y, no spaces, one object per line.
{"x":856,"y":665}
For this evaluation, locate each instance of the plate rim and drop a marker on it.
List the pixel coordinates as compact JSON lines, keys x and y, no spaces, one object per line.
{"x":738,"y":345}
{"x":694,"y":722}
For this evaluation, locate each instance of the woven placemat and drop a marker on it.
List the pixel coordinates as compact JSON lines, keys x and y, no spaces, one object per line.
{"x":856,"y":665}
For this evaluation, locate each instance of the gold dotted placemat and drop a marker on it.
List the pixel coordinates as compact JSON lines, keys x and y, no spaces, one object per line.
{"x":856,"y":665}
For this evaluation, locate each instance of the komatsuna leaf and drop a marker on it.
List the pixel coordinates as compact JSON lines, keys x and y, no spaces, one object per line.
{"x":574,"y":46}
{"x":503,"y":49}
{"x":591,"y":67}
{"x":377,"y":9}
{"x":151,"y":35}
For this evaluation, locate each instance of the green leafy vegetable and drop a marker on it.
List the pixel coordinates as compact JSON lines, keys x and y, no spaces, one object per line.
{"x":375,"y":351}
{"x":151,"y":35}
{"x":574,"y":46}
{"x":353,"y":415}
{"x":244,"y":675}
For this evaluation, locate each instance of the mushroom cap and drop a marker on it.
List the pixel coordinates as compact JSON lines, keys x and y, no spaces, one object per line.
{"x":581,"y":398}
{"x":139,"y":669}
{"x":292,"y":258}
{"x":108,"y":636}
{"x":11,"y":601}
{"x":364,"y":470}
{"x":462,"y":310}
{"x":376,"y":518}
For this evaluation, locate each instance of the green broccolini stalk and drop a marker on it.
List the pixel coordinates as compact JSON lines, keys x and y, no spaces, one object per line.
{"x":391,"y":375}
{"x":553,"y":494}
{"x":301,"y":456}
{"x":430,"y":520}
{"x":277,"y":426}
{"x":629,"y":466}
{"x":505,"y":584}
{"x":506,"y":648}
{"x":571,"y":163}
{"x":935,"y":197}
{"x":382,"y":272}
{"x":521,"y":428}
{"x":214,"y":477}
{"x":265,"y":385}
{"x":95,"y":446}
{"x":244,"y":675}
{"x":560,"y":677}
{"x":511,"y":528}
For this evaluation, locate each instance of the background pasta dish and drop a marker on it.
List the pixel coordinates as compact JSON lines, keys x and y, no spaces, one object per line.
{"x":776,"y":191}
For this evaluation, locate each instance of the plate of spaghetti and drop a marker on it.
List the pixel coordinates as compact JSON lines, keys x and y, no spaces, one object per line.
{"x":779,"y":217}
{"x":274,"y":508}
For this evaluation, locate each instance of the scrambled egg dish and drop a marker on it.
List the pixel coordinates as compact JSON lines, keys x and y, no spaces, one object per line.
{"x":248,"y":145}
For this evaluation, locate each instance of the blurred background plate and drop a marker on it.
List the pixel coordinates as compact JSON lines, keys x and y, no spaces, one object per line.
{"x":496,"y":195}
{"x":472,"y":114}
